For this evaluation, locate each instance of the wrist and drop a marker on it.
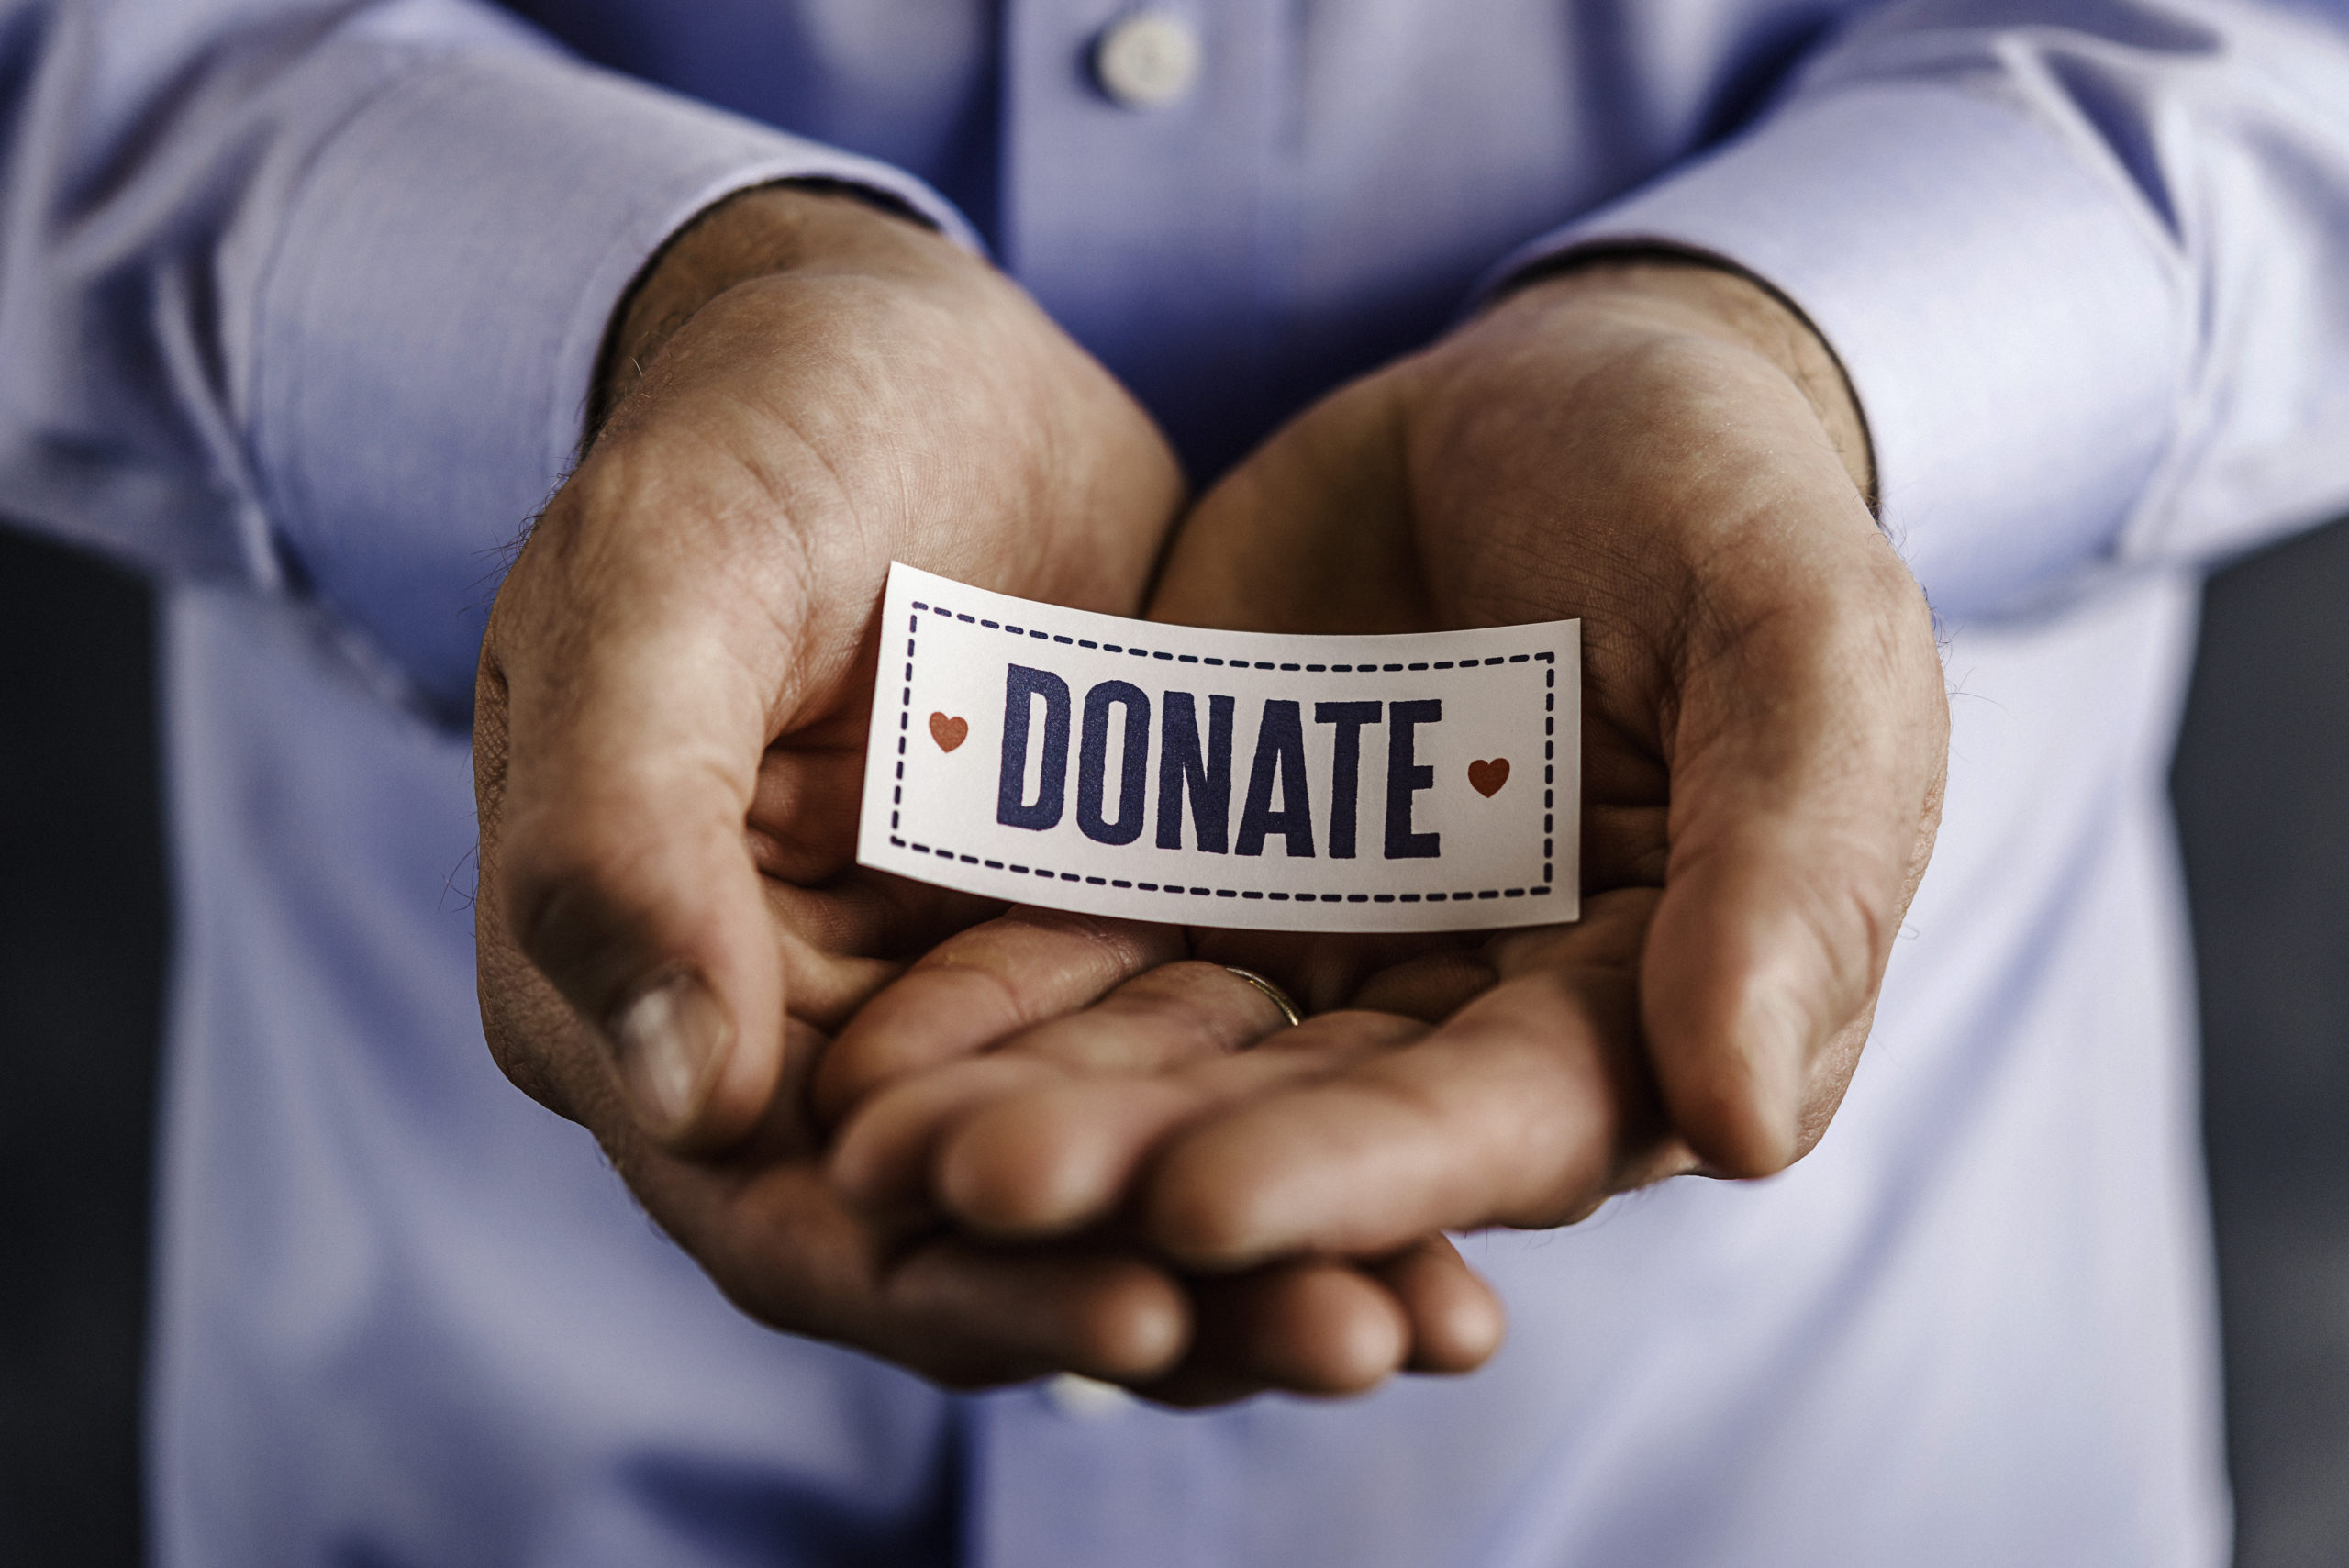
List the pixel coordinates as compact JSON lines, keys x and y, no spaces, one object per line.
{"x":749,"y":235}
{"x":1675,"y":293}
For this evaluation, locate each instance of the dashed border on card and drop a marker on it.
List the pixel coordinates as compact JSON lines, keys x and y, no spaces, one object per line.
{"x":1549,"y":767}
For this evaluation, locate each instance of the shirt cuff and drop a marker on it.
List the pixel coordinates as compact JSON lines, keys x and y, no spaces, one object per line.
{"x":2011,"y":321}
{"x":429,"y":328}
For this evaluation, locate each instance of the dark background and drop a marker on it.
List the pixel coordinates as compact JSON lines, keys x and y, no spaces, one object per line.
{"x":2262,"y":785}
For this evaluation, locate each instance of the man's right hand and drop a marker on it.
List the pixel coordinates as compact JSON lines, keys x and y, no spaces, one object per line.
{"x":669,"y":742}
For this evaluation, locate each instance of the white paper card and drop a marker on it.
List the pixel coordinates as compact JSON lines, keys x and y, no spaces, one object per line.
{"x":1041,"y":755}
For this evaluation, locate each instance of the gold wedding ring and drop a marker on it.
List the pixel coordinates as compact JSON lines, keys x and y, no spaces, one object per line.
{"x":1272,"y":993}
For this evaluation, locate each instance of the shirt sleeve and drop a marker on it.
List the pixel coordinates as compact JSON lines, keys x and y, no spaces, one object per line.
{"x":311,"y":293}
{"x":2083,"y":263}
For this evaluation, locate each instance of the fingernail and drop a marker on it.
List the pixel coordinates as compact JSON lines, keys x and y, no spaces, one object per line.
{"x":667,"y":1039}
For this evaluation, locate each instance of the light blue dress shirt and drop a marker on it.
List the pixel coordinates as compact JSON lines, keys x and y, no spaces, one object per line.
{"x":298,"y":303}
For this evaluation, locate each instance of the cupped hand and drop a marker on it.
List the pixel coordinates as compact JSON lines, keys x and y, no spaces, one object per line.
{"x":669,"y":742}
{"x":1668,"y":453}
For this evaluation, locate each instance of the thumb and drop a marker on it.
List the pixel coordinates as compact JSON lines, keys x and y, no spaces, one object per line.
{"x":628,"y":735}
{"x":1809,"y":752}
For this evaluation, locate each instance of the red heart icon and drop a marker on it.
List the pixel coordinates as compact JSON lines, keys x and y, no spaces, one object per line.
{"x":1487,"y":777}
{"x":949,"y":733}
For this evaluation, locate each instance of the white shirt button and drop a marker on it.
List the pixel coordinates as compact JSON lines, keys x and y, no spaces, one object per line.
{"x":1147,"y":60}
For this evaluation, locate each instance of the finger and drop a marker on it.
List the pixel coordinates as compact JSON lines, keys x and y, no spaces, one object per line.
{"x":1058,"y":1157}
{"x":872,"y":913}
{"x":881,"y":1158}
{"x":977,"y":1314}
{"x":777,"y":1238}
{"x":825,"y":978}
{"x":803,"y":808}
{"x":1520,"y":1110}
{"x":1049,"y":1167}
{"x":979,"y":987}
{"x":839,"y":945}
{"x":1456,"y":1320}
{"x":1055,"y":1159}
{"x":632,"y":728}
{"x":1309,"y":1326}
{"x":883,"y":1155}
{"x":1810,"y":747}
{"x":1179,"y":1012}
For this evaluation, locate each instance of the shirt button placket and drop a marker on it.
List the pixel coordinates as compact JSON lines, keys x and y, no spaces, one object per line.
{"x":1142,"y":143}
